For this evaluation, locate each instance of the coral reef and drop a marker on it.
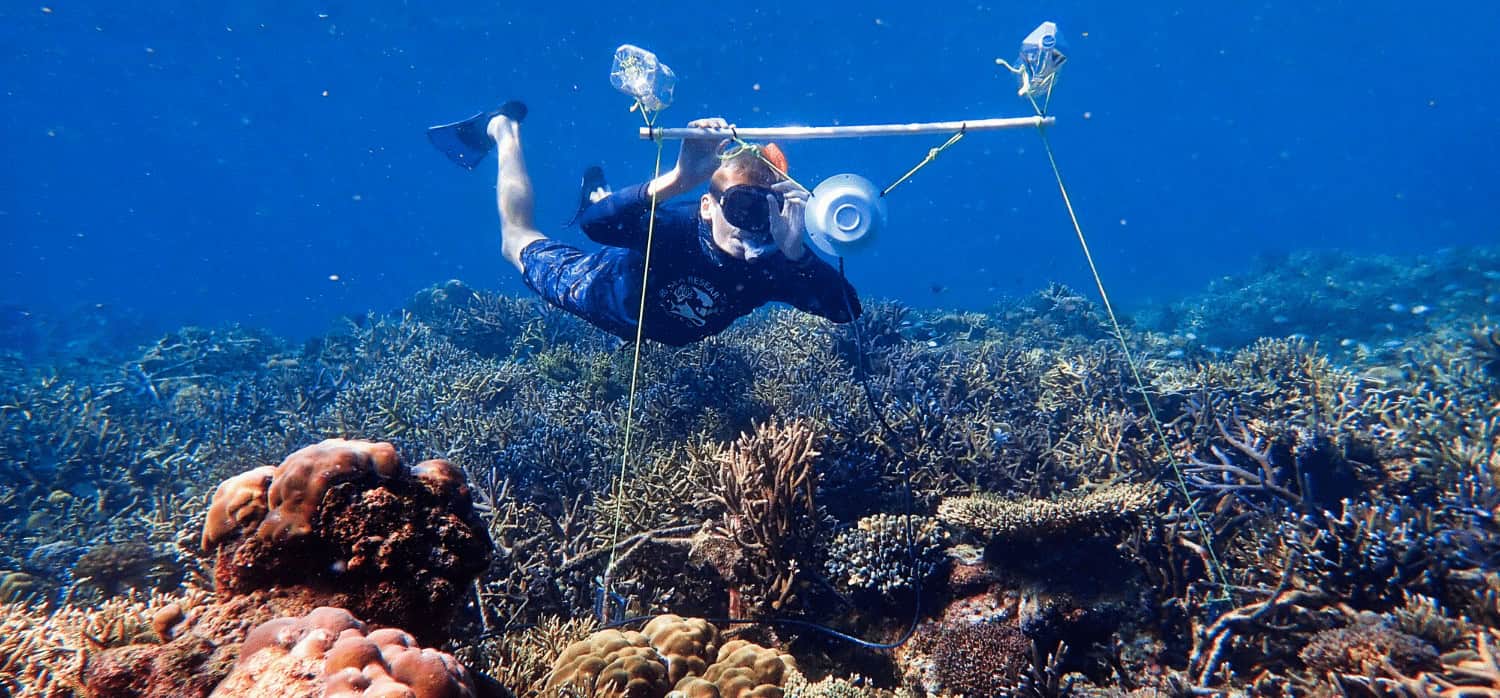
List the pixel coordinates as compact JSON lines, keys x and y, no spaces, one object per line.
{"x":1316,"y":481}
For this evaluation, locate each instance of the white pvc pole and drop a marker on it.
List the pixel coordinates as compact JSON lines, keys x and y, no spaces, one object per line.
{"x":792,"y":133}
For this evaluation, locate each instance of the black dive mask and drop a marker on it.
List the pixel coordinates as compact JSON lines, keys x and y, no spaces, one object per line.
{"x":745,"y":207}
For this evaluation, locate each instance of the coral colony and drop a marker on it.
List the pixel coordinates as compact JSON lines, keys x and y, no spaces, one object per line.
{"x":430,"y":502}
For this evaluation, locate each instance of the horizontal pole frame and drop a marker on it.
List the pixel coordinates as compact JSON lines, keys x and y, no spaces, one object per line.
{"x":792,"y":133}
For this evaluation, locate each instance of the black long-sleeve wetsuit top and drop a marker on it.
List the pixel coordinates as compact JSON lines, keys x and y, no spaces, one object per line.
{"x":696,"y":290}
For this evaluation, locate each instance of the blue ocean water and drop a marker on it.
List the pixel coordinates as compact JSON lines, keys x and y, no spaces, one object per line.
{"x":264,"y":162}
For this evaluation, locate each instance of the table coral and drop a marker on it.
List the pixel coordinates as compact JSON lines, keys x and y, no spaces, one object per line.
{"x":996,"y":517}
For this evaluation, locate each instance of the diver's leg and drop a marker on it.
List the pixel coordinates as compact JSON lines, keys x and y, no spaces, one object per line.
{"x":513,"y":192}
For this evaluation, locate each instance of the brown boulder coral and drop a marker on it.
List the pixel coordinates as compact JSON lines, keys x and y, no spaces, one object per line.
{"x":348,"y":525}
{"x":328,"y":653}
{"x":672,"y":657}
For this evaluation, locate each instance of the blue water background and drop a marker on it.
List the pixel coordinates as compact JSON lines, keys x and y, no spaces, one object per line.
{"x":212,"y":162}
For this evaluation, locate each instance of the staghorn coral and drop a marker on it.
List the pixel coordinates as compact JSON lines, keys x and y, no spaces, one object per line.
{"x":45,"y":652}
{"x":993,"y":517}
{"x":522,"y":660}
{"x":765,"y":485}
{"x":346,"y":522}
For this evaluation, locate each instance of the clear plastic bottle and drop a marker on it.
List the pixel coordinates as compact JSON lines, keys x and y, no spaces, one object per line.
{"x":638,"y":73}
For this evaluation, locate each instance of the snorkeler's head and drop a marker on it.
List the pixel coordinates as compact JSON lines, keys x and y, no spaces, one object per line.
{"x":740,"y":202}
{"x":748,"y":164}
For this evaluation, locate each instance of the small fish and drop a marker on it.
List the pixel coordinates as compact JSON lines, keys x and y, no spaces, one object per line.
{"x":1419,"y":309}
{"x":1392,"y":343}
{"x":1281,"y":319}
{"x":938,"y":288}
{"x":1176,"y":354}
{"x":1397,"y":308}
{"x":1190,"y":337}
{"x":1000,"y":435}
{"x":1347,"y":342}
{"x":608,"y":605}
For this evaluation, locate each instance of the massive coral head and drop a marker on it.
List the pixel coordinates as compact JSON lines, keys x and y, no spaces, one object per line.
{"x":348,"y":525}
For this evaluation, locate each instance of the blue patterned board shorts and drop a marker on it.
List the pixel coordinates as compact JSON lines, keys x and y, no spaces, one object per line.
{"x":596,"y":286}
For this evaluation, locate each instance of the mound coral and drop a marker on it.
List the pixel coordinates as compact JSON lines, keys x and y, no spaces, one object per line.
{"x":327,"y":652}
{"x":671,"y":657}
{"x":347,"y":523}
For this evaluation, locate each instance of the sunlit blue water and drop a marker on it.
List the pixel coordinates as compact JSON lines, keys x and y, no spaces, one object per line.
{"x":265,"y":162}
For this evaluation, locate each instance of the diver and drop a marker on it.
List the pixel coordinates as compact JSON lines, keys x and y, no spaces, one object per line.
{"x":739,"y":248}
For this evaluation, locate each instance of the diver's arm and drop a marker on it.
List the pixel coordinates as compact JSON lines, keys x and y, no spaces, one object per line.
{"x":813,"y":286}
{"x":621,"y":219}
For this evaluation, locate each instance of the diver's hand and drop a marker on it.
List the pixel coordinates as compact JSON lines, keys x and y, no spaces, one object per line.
{"x":699,"y":157}
{"x":696,"y":162}
{"x":787,"y":224}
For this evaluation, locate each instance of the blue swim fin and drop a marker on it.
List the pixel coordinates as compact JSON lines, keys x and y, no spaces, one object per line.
{"x":465,"y":142}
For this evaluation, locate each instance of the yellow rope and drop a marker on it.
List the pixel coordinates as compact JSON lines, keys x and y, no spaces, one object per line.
{"x":635,"y":366}
{"x":755,"y":150}
{"x":1208,"y":543}
{"x":931,"y":155}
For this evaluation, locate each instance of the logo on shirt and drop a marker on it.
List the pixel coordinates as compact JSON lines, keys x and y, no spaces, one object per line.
{"x":692,"y":299}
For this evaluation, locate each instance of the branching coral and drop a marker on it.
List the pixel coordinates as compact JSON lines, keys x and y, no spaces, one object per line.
{"x":765,"y":485}
{"x":873,"y":555}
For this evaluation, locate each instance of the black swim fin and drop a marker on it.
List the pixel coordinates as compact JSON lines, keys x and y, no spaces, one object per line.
{"x":593,"y":181}
{"x":465,"y":142}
